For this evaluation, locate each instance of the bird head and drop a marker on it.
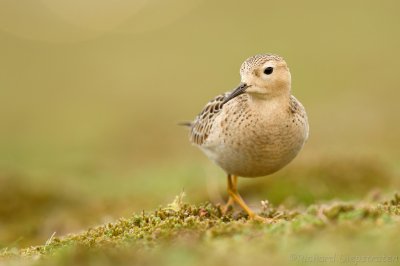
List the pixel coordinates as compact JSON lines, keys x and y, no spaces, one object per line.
{"x":263,"y":76}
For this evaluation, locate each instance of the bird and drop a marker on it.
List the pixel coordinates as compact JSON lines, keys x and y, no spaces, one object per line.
{"x":254,"y":130}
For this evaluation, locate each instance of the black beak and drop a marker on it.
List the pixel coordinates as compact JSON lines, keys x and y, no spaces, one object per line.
{"x":236,"y":92}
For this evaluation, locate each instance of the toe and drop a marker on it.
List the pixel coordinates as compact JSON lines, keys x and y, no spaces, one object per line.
{"x":263,"y":219}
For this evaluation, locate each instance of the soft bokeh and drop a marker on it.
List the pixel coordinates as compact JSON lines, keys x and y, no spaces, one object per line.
{"x":91,"y":92}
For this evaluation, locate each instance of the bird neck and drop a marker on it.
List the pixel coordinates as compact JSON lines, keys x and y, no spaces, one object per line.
{"x":270,"y":102}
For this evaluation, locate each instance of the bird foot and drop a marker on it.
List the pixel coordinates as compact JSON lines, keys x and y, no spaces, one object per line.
{"x":259,"y":218}
{"x":228,"y":206}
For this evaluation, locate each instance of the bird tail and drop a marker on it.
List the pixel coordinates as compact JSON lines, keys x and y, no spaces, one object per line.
{"x":185,"y":124}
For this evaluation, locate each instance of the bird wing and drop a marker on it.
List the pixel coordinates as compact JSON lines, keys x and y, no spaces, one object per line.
{"x":298,"y":110}
{"x":201,"y":126}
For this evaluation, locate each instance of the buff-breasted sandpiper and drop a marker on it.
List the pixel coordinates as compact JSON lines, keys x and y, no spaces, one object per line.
{"x":257,"y":128}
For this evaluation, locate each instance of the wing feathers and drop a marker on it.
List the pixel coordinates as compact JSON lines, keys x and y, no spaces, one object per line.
{"x":202,"y":125}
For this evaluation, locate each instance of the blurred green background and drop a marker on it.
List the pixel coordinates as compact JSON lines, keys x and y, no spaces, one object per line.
{"x":91,"y":91}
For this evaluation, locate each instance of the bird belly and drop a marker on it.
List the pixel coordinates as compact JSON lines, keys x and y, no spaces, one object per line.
{"x":256,"y":153}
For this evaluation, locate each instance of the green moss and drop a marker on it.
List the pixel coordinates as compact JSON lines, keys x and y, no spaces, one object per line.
{"x":201,"y":228}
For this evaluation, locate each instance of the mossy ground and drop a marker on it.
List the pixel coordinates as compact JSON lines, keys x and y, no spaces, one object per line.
{"x":186,"y":234}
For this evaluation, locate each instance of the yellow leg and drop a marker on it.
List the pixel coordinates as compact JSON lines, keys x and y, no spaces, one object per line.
{"x":225,"y":208}
{"x":235,"y":196}
{"x":231,"y":201}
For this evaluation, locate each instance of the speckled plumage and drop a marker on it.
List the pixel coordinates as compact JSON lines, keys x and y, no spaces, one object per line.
{"x":201,"y":127}
{"x":256,"y":129}
{"x":258,"y":60}
{"x":248,"y":136}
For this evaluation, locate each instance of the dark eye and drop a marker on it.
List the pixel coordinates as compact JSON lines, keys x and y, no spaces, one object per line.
{"x":268,"y":70}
